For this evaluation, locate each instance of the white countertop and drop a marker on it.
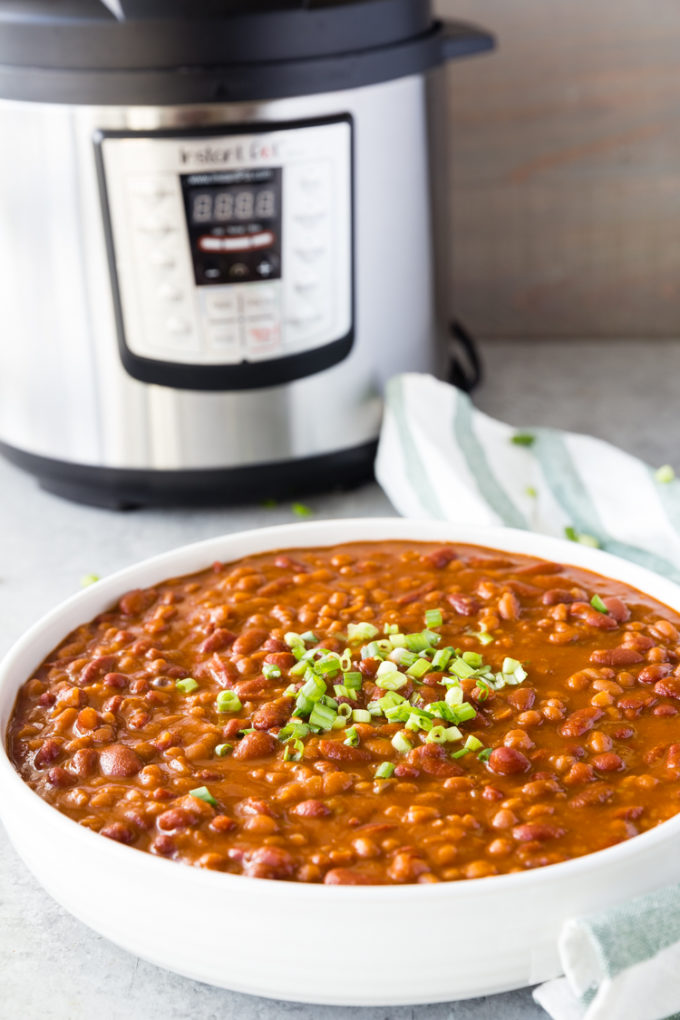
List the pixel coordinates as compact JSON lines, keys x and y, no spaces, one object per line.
{"x":55,"y":968}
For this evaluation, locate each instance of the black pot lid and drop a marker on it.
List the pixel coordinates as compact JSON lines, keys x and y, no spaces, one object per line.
{"x":152,"y":34}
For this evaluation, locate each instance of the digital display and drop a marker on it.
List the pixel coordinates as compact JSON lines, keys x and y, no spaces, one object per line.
{"x":234,"y":220}
{"x":237,"y":204}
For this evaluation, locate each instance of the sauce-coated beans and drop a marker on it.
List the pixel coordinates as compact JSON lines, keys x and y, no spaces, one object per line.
{"x":182,"y":721}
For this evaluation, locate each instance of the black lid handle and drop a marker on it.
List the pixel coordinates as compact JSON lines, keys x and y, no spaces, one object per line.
{"x":462,"y":40}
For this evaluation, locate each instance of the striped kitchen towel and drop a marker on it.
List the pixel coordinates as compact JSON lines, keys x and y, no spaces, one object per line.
{"x":440,"y":457}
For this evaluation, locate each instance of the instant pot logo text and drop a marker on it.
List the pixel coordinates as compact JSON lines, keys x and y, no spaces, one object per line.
{"x":225,"y":155}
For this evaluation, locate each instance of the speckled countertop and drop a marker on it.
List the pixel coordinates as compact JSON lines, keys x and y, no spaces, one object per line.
{"x":53,"y":967}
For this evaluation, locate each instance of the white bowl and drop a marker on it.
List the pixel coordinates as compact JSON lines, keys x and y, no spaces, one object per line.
{"x":370,"y":945}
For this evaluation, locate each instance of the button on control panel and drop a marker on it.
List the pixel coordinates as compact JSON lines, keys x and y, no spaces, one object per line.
{"x":231,"y":249}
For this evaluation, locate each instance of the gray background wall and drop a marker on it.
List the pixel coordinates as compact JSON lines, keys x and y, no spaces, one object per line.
{"x":565,"y":169}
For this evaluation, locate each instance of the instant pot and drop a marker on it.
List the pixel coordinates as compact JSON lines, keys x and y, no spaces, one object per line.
{"x":222,"y":222}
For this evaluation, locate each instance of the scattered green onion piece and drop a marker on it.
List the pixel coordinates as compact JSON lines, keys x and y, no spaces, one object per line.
{"x":401,"y":744}
{"x":472,"y":659}
{"x":581,"y":537}
{"x":386,"y":667}
{"x":597,"y":603}
{"x":433,"y":618}
{"x":352,"y":680}
{"x":485,"y":754}
{"x":461,"y":754}
{"x":361,"y":715}
{"x":329,"y":665}
{"x":390,"y":699}
{"x":464,"y":712}
{"x":523,"y":439}
{"x":346,"y":660}
{"x":482,"y":636}
{"x":437,"y":735}
{"x":346,"y":711}
{"x":419,"y":668}
{"x":403,"y":657}
{"x":299,"y":669}
{"x":270,"y":671}
{"x":461,"y":668}
{"x":374,"y":708}
{"x":309,"y":637}
{"x":418,"y":720}
{"x":322,"y":716}
{"x":223,"y":749}
{"x":244,"y":733}
{"x":453,"y":733}
{"x":473,"y":743}
{"x":431,"y":637}
{"x":352,"y":738}
{"x":441,"y":658}
{"x":203,"y":793}
{"x":301,"y":510}
{"x":361,"y":631}
{"x":393,"y":681}
{"x":294,"y":750}
{"x":484,"y":689}
{"x":290,"y":691}
{"x":397,"y":640}
{"x":532,"y":494}
{"x":228,"y":701}
{"x":398,"y":713}
{"x":416,"y":642}
{"x":384,"y":770}
{"x":391,"y":628}
{"x":664,"y":474}
{"x":187,"y":685}
{"x":88,"y":579}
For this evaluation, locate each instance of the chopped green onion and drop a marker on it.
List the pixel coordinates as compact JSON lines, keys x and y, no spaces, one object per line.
{"x":293,"y":730}
{"x":352,"y":680}
{"x":417,"y":642}
{"x":664,"y":474}
{"x":482,"y":636}
{"x":352,"y":738}
{"x":322,"y":716}
{"x":390,"y":699}
{"x":473,"y":743}
{"x":485,"y":754}
{"x":454,"y":695}
{"x":346,"y":660}
{"x":374,"y":708}
{"x":484,"y":689}
{"x":223,"y":749}
{"x":419,"y":668}
{"x":392,"y":681}
{"x":437,"y":735}
{"x":523,"y":439}
{"x":401,"y":744}
{"x":461,"y":668}
{"x":581,"y":537}
{"x":203,"y":793}
{"x":290,"y":691}
{"x":328,"y":665}
{"x":187,"y":685}
{"x":433,"y":618}
{"x":386,"y":667}
{"x":461,"y":754}
{"x":345,"y":711}
{"x":397,"y":640}
{"x":391,"y":628}
{"x":361,"y":631}
{"x":473,"y":659}
{"x":532,"y":494}
{"x":384,"y":770}
{"x":88,"y":579}
{"x":403,"y":657}
{"x":228,"y":701}
{"x":361,"y":715}
{"x":309,"y":637}
{"x":398,"y":713}
{"x":597,"y":603}
{"x":270,"y":671}
{"x":417,"y":719}
{"x":464,"y":712}
{"x":243,"y":733}
{"x":431,"y":637}
{"x":294,"y":750}
{"x":441,"y":658}
{"x":301,"y":510}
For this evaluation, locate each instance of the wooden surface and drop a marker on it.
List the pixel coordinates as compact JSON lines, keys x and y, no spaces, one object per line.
{"x":565,"y":169}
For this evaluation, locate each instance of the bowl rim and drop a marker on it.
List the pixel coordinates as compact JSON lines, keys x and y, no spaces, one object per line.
{"x":309,"y":534}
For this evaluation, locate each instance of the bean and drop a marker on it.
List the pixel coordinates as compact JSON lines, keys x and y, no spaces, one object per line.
{"x":555,"y":596}
{"x":537,"y":831}
{"x":519,"y":739}
{"x":616,"y":608}
{"x":439,"y":558}
{"x":669,"y":687}
{"x":616,"y":656}
{"x":580,"y":721}
{"x":584,"y":611}
{"x":433,"y":759}
{"x":249,"y":640}
{"x":336,"y":750}
{"x":137,"y":601}
{"x":406,"y":866}
{"x":119,"y":760}
{"x":608,"y":762}
{"x":651,"y":674}
{"x":120,"y":832}
{"x":344,"y":876}
{"x":48,"y":752}
{"x":311,"y":809}
{"x":509,"y":606}
{"x":521,"y":698}
{"x":219,"y":639}
{"x":273,"y":713}
{"x":270,"y":862}
{"x":59,"y":777}
{"x":506,"y":761}
{"x":464,"y":605}
{"x":256,"y":745}
{"x":283,"y":660}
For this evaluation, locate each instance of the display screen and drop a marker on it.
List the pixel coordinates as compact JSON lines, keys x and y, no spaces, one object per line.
{"x":234,"y":221}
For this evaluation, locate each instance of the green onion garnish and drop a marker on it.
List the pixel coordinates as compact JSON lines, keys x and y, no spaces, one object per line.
{"x":88,"y":579}
{"x":485,"y":754}
{"x":482,"y":636}
{"x":597,"y":603}
{"x":352,"y":738}
{"x":664,"y":474}
{"x":187,"y":685}
{"x":384,"y":770}
{"x":203,"y":793}
{"x":392,"y":681}
{"x":223,"y":749}
{"x":361,"y":631}
{"x":441,"y":658}
{"x":461,"y":668}
{"x":301,"y":510}
{"x":361,"y":715}
{"x":322,"y":716}
{"x":401,"y":744}
{"x":433,"y":618}
{"x":483,"y":688}
{"x":419,"y":668}
{"x":270,"y":671}
{"x":352,"y":680}
{"x":532,"y":494}
{"x":523,"y":439}
{"x":460,"y":754}
{"x":473,"y":743}
{"x":294,"y":750}
{"x":228,"y":701}
{"x":309,"y":637}
{"x":581,"y":537}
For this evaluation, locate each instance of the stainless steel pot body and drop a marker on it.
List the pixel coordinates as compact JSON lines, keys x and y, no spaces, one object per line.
{"x":65,"y":392}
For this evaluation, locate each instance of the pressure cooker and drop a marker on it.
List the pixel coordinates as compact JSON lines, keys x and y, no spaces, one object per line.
{"x":222,"y":226}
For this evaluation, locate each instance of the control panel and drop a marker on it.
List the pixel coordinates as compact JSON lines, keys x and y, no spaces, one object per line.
{"x":231,"y":251}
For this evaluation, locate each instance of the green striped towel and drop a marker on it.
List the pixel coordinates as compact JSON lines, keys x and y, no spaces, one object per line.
{"x":439,"y":457}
